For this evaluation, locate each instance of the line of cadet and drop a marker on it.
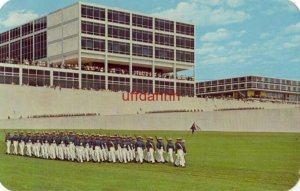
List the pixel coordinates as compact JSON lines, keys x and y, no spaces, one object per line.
{"x":98,"y":148}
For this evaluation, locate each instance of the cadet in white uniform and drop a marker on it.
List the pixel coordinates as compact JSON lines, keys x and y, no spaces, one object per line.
{"x":160,"y":150}
{"x":170,"y":149}
{"x":180,"y":153}
{"x":8,"y":140}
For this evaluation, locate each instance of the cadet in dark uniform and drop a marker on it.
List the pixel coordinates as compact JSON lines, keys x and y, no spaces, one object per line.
{"x":150,"y":150}
{"x":15,"y":140}
{"x":170,"y":149}
{"x":139,"y":148}
{"x":160,"y":150}
{"x":8,"y":139}
{"x":180,"y":153}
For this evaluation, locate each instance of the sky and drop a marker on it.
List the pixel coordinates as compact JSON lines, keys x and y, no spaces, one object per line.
{"x":233,"y":37}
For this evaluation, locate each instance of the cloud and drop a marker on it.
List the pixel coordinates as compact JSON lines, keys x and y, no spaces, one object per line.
{"x":235,"y":43}
{"x":264,"y":35}
{"x":279,"y":7}
{"x":293,"y":42}
{"x":218,"y":35}
{"x":235,"y":3}
{"x":200,"y":12}
{"x":295,"y":28}
{"x":210,"y":48}
{"x":15,"y":18}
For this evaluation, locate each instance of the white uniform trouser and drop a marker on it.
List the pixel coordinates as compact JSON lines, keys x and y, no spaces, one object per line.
{"x":112,"y":154}
{"x":29,"y":149}
{"x":43,"y":150}
{"x":86,"y":153}
{"x":46,"y":150}
{"x":124,"y":154}
{"x":65,"y":150}
{"x":61,"y":151}
{"x":170,"y":156}
{"x":97,"y":154}
{"x":105,"y":153}
{"x":92,"y":153}
{"x":8,"y":143}
{"x":52,"y":151}
{"x":130,"y":154}
{"x":180,"y":161}
{"x":150,"y":155}
{"x":71,"y":150}
{"x":160,"y":155}
{"x":22,"y":147}
{"x":139,"y":155}
{"x":15,"y":143}
{"x":119,"y":155}
{"x":79,"y":152}
{"x":37,"y":148}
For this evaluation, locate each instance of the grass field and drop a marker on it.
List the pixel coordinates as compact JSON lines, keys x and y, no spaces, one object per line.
{"x":215,"y":161}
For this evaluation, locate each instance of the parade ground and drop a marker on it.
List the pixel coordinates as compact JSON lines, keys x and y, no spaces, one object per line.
{"x":214,"y":161}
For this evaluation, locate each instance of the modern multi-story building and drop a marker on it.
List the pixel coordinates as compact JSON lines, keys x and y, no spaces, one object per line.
{"x":86,"y":46}
{"x":251,"y":87}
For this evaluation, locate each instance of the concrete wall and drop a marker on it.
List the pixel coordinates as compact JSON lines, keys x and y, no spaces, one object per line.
{"x":274,"y":120}
{"x":63,"y":30}
{"x":16,"y":101}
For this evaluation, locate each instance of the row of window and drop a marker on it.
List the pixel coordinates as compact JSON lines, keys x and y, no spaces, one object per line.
{"x":141,"y":50}
{"x":249,"y":79}
{"x":65,"y":74}
{"x":142,"y":21}
{"x":118,"y":47}
{"x":93,"y":28}
{"x":92,"y":12}
{"x":185,"y":56}
{"x":33,"y":72}
{"x":137,"y":50}
{"x":140,"y":85}
{"x":34,"y":77}
{"x":25,"y":29}
{"x":4,"y":37}
{"x":26,"y":47}
{"x":119,"y":32}
{"x":9,"y":70}
{"x":7,"y":79}
{"x":142,"y":36}
{"x":92,"y":44}
{"x":164,"y":39}
{"x":137,"y":20}
{"x":248,"y":85}
{"x":137,"y":35}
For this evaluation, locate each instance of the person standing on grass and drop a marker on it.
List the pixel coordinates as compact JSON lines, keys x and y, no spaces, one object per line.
{"x":8,"y":139}
{"x":150,"y":150}
{"x":193,"y":128}
{"x":170,"y":149}
{"x":160,"y":150}
{"x":180,"y":153}
{"x":15,"y":140}
{"x":139,"y":148}
{"x":28,"y":144}
{"x":22,"y":143}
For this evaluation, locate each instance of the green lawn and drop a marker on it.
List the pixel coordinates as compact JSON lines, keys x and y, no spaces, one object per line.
{"x":215,"y":161}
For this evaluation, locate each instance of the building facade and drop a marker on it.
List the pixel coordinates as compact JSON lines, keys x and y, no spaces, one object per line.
{"x":251,"y":87}
{"x":87,"y":46}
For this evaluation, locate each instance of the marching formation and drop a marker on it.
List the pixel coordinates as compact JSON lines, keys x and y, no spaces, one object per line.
{"x":95,"y":147}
